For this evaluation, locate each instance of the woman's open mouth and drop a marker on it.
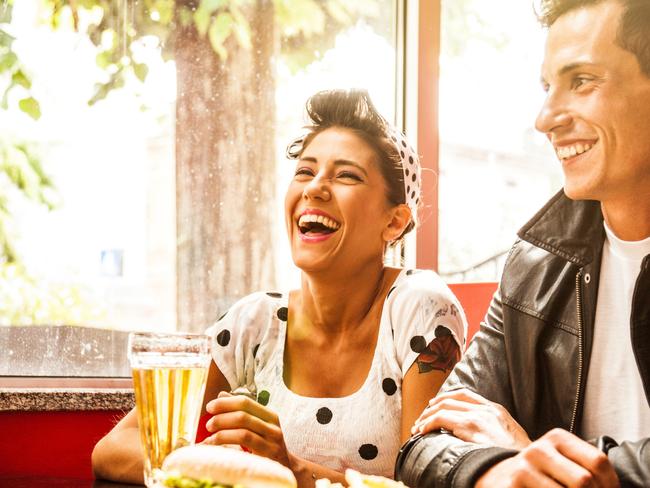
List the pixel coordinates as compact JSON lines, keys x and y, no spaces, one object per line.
{"x":316,"y":227}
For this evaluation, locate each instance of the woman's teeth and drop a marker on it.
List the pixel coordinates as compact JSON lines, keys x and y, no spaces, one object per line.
{"x":566,"y":152}
{"x":305,"y":220}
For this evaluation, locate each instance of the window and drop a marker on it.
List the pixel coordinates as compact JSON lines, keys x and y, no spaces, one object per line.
{"x":142,"y":161}
{"x":496,"y":171}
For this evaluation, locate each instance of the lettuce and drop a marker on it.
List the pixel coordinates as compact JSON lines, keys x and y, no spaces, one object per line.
{"x":182,"y":482}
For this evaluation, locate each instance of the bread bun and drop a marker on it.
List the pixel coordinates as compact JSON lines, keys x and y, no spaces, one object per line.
{"x":227,"y":467}
{"x":354,"y":479}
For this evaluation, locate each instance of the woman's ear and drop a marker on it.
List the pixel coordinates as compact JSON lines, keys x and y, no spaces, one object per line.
{"x":400,"y":216}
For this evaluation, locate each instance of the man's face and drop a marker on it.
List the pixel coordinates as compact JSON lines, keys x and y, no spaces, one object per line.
{"x":597,"y":109}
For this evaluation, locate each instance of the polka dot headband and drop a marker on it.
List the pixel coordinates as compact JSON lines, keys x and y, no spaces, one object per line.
{"x":411,"y":170}
{"x":409,"y":161}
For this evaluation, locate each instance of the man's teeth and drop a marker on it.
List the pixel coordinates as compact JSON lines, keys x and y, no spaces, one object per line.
{"x":321,"y":219}
{"x":565,"y":152}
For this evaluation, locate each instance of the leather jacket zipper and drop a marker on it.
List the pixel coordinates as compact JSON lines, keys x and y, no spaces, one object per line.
{"x":576,"y":403}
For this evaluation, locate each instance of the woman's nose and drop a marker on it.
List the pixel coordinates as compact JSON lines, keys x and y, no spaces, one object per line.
{"x":318,"y":188}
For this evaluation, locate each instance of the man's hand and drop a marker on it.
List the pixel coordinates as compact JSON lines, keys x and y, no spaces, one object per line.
{"x":556,"y":459}
{"x":242,"y":421}
{"x":472,"y":418}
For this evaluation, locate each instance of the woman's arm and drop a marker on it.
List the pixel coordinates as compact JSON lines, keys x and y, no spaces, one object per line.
{"x":425,"y":377}
{"x":118,"y":455}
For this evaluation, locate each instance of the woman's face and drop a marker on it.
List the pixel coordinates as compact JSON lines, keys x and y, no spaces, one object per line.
{"x":336,"y":208}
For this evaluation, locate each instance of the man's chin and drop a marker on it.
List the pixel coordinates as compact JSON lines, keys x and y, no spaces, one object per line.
{"x":578,"y":192}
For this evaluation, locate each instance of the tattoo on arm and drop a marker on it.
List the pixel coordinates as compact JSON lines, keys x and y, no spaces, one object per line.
{"x":441,"y":354}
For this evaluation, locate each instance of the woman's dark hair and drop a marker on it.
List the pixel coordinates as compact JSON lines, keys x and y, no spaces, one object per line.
{"x":633,"y":30}
{"x":353,"y":110}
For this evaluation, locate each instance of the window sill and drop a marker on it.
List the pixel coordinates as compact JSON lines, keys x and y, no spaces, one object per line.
{"x":65,"y":394}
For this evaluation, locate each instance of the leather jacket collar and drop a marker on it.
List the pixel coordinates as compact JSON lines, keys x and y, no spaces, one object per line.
{"x":571,"y":229}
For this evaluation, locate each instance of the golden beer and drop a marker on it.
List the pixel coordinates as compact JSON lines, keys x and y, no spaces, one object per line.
{"x":169,"y":377}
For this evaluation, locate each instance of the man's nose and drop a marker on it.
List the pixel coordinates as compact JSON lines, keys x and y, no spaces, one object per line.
{"x":554,"y":114}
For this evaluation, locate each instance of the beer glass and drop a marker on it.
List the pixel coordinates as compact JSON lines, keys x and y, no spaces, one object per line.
{"x":169,"y":377}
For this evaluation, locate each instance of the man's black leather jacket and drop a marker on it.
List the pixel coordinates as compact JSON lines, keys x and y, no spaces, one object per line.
{"x":532,"y":352}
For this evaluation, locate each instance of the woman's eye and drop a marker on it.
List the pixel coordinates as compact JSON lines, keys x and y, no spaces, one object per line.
{"x":348,"y":175}
{"x":304,"y":172}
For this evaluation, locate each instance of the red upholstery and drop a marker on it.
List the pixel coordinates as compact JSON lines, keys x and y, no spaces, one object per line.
{"x":52,"y":443}
{"x":475,"y":299}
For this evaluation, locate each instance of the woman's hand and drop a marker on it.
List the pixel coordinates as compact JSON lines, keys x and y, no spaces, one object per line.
{"x":239,"y":420}
{"x":472,"y":418}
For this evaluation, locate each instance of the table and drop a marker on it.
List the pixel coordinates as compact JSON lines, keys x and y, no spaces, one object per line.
{"x":55,"y":482}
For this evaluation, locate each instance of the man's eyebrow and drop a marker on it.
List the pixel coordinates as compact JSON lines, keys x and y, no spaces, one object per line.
{"x":338,"y":162}
{"x":567,"y":68}
{"x":574,"y":66}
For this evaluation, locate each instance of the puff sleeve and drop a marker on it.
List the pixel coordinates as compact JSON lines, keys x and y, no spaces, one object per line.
{"x":421,"y":307}
{"x":236,"y":337}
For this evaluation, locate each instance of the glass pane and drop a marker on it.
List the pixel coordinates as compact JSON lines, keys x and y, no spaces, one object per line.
{"x":496,"y":171}
{"x":142,"y":166}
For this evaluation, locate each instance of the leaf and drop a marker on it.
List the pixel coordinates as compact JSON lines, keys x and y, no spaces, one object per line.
{"x":103,"y":89}
{"x":185,"y":16}
{"x":202,"y":21}
{"x":140,"y":70}
{"x":101,"y":92}
{"x":7,"y":61}
{"x":6,"y":39}
{"x":4,"y":103}
{"x":20,"y":78}
{"x":6,"y":9}
{"x":103,"y":59}
{"x":31,"y":107}
{"x":300,"y":17}
{"x":165,"y":9}
{"x":220,"y":29}
{"x":242,"y":27}
{"x":211,"y":6}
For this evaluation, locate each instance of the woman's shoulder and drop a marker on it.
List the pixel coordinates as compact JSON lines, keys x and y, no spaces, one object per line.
{"x":252,"y":312}
{"x":260,"y":301}
{"x":422,"y":283}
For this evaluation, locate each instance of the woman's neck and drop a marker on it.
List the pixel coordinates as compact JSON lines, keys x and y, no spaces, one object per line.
{"x":334,"y":304}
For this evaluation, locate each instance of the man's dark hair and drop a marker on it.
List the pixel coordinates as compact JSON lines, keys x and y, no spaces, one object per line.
{"x":634,"y":25}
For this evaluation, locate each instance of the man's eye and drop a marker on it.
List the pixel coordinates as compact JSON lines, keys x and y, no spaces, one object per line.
{"x":579,"y":81}
{"x":348,"y":175}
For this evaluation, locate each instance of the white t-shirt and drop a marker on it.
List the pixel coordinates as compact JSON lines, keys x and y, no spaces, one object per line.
{"x":615,"y":402}
{"x":361,"y":430}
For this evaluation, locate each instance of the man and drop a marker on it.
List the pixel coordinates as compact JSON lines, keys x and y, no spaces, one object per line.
{"x":561,"y":366}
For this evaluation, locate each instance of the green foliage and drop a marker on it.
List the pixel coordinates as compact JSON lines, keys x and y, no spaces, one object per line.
{"x":462,"y":24}
{"x":306,"y":27}
{"x":20,"y":169}
{"x":25,"y":300}
{"x":31,"y":107}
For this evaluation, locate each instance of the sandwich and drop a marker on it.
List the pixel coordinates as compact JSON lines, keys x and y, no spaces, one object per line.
{"x":354,"y":479}
{"x":208,"y":466}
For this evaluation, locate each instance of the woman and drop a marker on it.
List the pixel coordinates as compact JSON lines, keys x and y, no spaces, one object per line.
{"x":335,"y":373}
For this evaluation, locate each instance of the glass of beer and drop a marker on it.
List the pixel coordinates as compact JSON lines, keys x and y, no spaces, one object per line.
{"x":169,"y":377}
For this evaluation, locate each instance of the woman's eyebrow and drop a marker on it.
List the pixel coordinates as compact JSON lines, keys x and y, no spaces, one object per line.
{"x":347,"y":162}
{"x":338,"y":162}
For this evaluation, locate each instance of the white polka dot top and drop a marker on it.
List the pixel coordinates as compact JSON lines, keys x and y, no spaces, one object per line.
{"x":361,"y":430}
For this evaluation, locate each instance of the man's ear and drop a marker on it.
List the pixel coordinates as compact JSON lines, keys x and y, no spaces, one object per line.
{"x":400,"y":216}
